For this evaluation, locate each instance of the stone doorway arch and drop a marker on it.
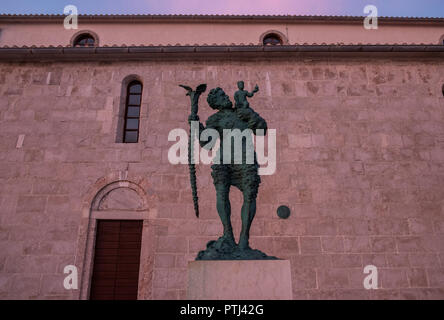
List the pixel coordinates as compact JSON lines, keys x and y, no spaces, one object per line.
{"x":117,"y":200}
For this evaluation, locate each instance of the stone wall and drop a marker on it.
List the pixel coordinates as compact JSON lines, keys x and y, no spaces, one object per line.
{"x":360,"y":162}
{"x":214,"y":31}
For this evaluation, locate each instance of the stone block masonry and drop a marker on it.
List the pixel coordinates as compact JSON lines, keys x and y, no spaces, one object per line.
{"x":360,"y":163}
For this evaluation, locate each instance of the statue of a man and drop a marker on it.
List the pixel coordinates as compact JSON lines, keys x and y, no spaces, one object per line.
{"x":244,"y":176}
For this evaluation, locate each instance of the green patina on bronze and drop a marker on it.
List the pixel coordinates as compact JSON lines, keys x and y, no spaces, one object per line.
{"x":243,"y":176}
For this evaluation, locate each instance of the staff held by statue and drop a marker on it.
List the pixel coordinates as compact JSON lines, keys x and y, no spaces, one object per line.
{"x":194,"y":96}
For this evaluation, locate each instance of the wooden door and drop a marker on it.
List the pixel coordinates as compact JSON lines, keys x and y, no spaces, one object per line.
{"x":116,"y":260}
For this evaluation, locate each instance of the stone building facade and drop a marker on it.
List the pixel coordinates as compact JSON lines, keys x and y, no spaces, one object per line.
{"x":360,"y":149}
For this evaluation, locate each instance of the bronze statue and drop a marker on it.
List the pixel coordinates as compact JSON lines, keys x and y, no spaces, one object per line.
{"x":240,"y":97}
{"x":242,"y":175}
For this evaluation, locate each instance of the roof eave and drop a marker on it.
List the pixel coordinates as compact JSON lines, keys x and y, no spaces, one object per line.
{"x":10,"y":18}
{"x":179,"y":52}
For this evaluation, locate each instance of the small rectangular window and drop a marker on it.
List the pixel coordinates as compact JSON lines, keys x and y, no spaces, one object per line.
{"x":132,"y":124}
{"x":133,"y":111}
{"x":134,"y":100}
{"x":137,"y":88}
{"x":131,"y":137}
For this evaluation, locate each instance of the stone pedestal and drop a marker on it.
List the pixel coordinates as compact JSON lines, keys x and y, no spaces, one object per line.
{"x":239,"y":280}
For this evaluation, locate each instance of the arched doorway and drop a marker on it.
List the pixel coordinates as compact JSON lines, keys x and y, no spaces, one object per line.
{"x":117,"y":252}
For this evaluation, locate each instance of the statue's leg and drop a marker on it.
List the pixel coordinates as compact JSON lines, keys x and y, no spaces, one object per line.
{"x":224,"y":209}
{"x":248,"y":212}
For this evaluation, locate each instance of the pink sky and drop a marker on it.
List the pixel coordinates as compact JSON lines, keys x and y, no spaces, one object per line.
{"x":256,"y":6}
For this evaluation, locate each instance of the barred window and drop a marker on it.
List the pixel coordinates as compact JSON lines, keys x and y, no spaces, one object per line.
{"x":272,"y":39}
{"x":132,"y":112}
{"x":84,"y":40}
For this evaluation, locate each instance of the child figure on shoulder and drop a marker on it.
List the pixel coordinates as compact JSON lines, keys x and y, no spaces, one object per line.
{"x":240,"y":97}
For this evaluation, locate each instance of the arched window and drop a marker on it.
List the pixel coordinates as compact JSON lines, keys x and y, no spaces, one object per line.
{"x":85,"y":40}
{"x":272,"y":39}
{"x":132,"y":112}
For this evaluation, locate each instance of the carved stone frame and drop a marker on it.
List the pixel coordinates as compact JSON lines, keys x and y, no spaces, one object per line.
{"x":280,"y":34}
{"x":87,"y":232}
{"x":77,"y":34}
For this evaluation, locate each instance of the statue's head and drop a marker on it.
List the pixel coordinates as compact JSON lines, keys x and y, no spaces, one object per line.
{"x":218,"y":100}
{"x":240,"y":85}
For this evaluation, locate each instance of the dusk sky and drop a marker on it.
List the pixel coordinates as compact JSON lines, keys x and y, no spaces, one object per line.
{"x":417,"y":8}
